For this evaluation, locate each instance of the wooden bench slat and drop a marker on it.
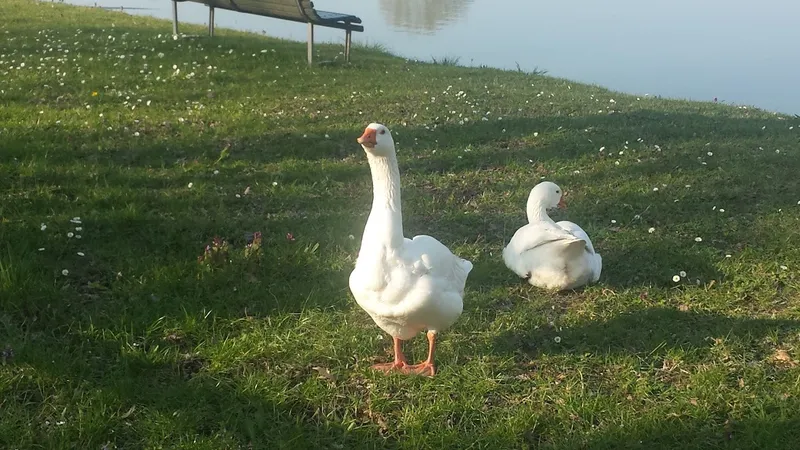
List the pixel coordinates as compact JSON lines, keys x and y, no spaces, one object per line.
{"x":328,"y":16}
{"x":308,"y":8}
{"x":260,"y":7}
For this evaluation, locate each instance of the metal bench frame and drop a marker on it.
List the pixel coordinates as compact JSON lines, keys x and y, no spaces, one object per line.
{"x":308,"y":14}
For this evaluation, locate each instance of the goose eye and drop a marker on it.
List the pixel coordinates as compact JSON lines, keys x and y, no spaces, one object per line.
{"x":383,"y":131}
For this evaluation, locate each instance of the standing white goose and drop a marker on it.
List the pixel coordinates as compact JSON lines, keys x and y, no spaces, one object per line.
{"x":551,"y":255}
{"x":405,"y":285}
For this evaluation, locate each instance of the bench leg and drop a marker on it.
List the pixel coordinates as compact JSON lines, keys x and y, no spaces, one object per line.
{"x":174,"y":17}
{"x":211,"y":21}
{"x":348,"y":40}
{"x":310,"y":43}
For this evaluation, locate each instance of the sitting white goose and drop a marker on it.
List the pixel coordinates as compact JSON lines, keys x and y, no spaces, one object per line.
{"x":405,"y":285}
{"x":551,"y":255}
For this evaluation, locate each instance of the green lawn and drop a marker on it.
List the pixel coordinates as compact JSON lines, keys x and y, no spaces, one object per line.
{"x":121,"y":338}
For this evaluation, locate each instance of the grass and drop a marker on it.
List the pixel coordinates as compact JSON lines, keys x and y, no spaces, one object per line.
{"x":140,"y":345}
{"x":446,"y":61}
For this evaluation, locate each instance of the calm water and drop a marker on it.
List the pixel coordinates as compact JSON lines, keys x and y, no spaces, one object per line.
{"x":746,"y":53}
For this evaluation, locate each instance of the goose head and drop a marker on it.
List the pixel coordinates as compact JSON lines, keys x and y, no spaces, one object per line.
{"x":377,"y":140}
{"x":548,"y":195}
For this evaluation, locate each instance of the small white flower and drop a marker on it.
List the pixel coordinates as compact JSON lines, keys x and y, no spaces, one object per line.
{"x":136,"y":134}
{"x":65,"y":272}
{"x":557,"y":339}
{"x":190,"y":185}
{"x":43,"y":227}
{"x":651,"y":230}
{"x":327,"y":137}
{"x":535,"y":133}
{"x":81,"y":254}
{"x":238,"y":196}
{"x":274,"y":183}
{"x":728,"y":256}
{"x":710,"y":153}
{"x":216,"y":172}
{"x":784,"y":268}
{"x":75,"y":220}
{"x":721,"y":210}
{"x":698,"y":239}
{"x":682,"y":274}
{"x":613,"y":221}
{"x":676,"y":278}
{"x":602,"y":148}
{"x":41,"y":249}
{"x":351,"y":237}
{"x":77,"y":236}
{"x":70,"y":234}
{"x":655,"y":189}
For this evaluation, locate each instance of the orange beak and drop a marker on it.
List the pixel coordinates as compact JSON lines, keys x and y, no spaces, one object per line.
{"x":368,"y":139}
{"x":562,"y":204}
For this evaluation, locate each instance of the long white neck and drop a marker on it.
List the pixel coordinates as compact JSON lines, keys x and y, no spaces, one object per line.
{"x":385,"y":224}
{"x":537,"y":211}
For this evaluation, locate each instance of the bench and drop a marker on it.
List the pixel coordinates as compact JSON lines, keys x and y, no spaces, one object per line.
{"x":294,"y":10}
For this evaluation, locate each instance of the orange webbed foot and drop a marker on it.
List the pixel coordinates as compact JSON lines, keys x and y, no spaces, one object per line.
{"x":396,"y":366}
{"x":427,"y":369}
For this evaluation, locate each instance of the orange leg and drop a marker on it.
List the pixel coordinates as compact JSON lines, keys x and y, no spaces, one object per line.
{"x":426,"y":367}
{"x":399,"y":364}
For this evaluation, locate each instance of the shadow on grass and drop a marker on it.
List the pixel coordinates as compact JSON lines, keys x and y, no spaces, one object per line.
{"x":137,"y":396}
{"x":643,"y":331}
{"x":687,"y":432}
{"x":180,"y":224}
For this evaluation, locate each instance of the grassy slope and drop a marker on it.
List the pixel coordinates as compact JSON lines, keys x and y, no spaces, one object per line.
{"x":140,"y":346}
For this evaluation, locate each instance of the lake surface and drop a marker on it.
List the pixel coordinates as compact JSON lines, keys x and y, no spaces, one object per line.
{"x":745,"y":53}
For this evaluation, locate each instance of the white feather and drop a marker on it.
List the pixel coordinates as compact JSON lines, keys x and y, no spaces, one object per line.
{"x":405,"y":285}
{"x":551,"y":255}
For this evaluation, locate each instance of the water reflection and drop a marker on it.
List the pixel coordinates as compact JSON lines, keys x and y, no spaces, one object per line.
{"x":423,"y":16}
